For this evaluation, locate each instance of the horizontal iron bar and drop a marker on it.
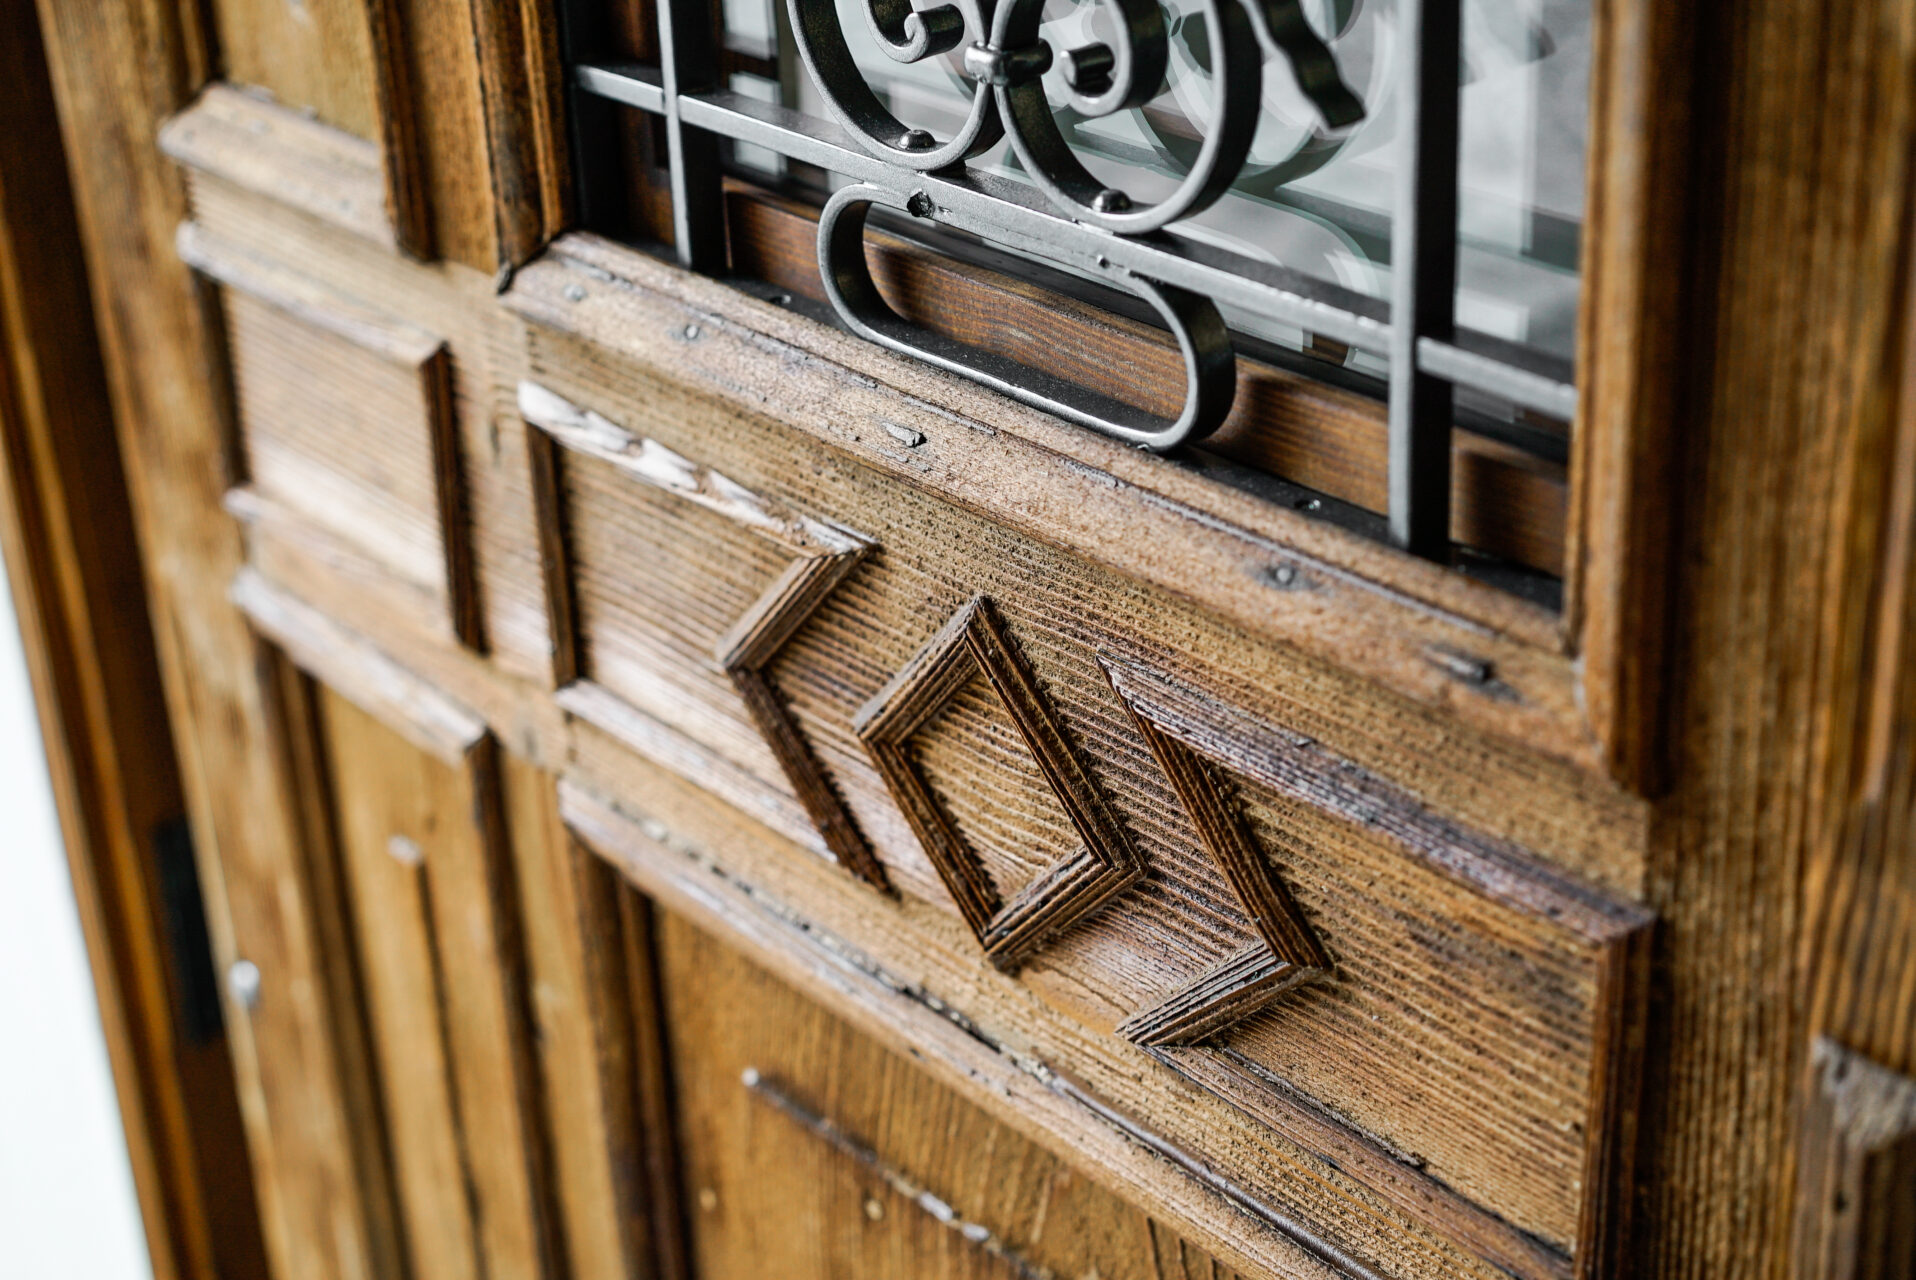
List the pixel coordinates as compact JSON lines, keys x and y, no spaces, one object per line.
{"x":635,"y":86}
{"x":1519,"y":386}
{"x":1013,"y":215}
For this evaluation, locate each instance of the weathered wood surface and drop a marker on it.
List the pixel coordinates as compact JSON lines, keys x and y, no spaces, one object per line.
{"x":73,"y":566}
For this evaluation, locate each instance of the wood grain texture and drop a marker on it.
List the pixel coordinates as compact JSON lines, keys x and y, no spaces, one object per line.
{"x":73,"y":566}
{"x":435,"y":906}
{"x":1856,"y":1189}
{"x":974,"y":641}
{"x":1609,"y":941}
{"x":879,"y":990}
{"x":593,"y":981}
{"x":346,"y":422}
{"x":119,"y":71}
{"x":1287,"y":952}
{"x":1638,"y":345}
{"x":1573,"y":817}
{"x":840,"y":1159}
{"x":315,"y":56}
{"x":823,"y":554}
{"x":1264,"y":568}
{"x":295,"y":159}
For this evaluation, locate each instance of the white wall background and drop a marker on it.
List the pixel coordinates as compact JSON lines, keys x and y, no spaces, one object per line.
{"x":67,"y":1208}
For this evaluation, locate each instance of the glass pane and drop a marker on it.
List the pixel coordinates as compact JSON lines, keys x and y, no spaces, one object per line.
{"x":1313,"y":198}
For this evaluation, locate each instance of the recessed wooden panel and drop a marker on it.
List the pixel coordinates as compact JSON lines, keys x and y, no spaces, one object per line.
{"x":422,"y":846}
{"x":814,"y":1153}
{"x":671,"y":589}
{"x":346,"y":434}
{"x":1452,"y":958}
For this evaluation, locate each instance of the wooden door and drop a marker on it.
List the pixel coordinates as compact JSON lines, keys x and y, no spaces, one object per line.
{"x":712,"y":751}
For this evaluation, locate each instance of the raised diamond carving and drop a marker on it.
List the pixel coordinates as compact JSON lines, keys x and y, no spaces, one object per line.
{"x":971,"y":643}
{"x":1287,"y":954}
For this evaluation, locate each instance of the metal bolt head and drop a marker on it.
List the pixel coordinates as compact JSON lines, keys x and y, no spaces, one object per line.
{"x":1111,"y":200}
{"x":916,"y":140}
{"x":243,"y":983}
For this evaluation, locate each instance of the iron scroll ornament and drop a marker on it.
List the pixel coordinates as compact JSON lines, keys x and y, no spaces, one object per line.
{"x":1006,"y":59}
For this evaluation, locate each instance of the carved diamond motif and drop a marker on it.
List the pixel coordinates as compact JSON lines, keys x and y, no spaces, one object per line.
{"x":1287,"y":954}
{"x":971,"y":643}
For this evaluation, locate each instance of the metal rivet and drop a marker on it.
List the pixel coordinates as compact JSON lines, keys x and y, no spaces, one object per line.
{"x":575,"y":293}
{"x":917,"y":140}
{"x":243,"y":982}
{"x":1285,"y":575}
{"x":1111,"y":200}
{"x":691,"y":333}
{"x":920,"y":205}
{"x":1471,"y":670}
{"x":874,"y":1210}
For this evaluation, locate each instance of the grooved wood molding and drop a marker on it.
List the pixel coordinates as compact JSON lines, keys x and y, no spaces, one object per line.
{"x":680,"y":790}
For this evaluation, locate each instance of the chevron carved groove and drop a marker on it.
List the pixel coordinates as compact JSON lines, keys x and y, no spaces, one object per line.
{"x":1287,"y":953}
{"x":822,"y":554}
{"x":973,"y":642}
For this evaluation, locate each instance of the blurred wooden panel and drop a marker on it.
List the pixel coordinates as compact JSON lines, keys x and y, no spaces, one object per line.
{"x":591,"y":983}
{"x":311,"y":55}
{"x":74,"y":570}
{"x":423,"y":847}
{"x":346,"y":426}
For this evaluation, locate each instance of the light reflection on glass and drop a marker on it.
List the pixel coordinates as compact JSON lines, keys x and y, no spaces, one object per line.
{"x":1313,"y":199}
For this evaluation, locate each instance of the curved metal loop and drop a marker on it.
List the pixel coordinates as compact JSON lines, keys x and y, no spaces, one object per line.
{"x":1313,"y":64}
{"x":1105,"y":79}
{"x":1210,"y":363}
{"x":907,"y":36}
{"x":1236,"y":83}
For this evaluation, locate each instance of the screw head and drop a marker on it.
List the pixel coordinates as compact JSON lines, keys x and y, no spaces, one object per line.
{"x":243,"y":983}
{"x":920,"y":205}
{"x":1111,"y":200}
{"x":917,"y":140}
{"x":691,"y":332}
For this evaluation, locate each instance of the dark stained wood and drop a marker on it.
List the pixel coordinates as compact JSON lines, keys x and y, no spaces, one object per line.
{"x":974,"y":641}
{"x":1856,"y":1190}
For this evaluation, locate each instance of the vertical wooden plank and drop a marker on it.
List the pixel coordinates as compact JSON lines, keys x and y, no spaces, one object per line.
{"x":1802,"y":225}
{"x":74,"y":569}
{"x":591,"y":966}
{"x":423,"y":850}
{"x":120,"y":68}
{"x":1637,"y":348}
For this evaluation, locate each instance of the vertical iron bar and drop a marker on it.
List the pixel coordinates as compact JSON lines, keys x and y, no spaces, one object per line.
{"x":688,"y":52}
{"x":1423,"y":271}
{"x":592,"y":127}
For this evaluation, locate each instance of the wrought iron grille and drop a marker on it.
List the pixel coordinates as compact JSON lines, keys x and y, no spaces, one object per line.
{"x":1067,"y":216}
